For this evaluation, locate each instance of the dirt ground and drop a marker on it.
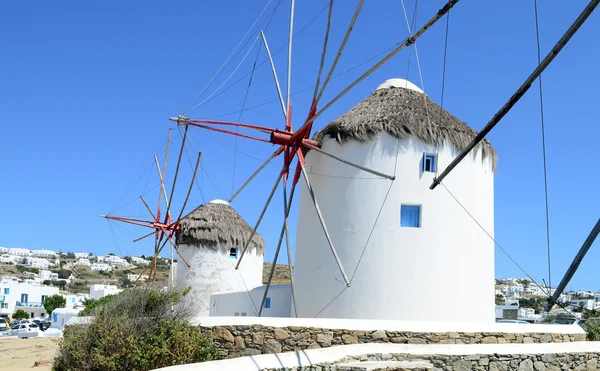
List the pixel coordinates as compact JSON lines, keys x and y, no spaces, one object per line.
{"x":23,"y":354}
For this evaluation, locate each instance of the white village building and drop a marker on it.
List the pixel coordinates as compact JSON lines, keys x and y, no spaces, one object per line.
{"x":396,"y":240}
{"x":19,"y":251}
{"x":38,"y":263}
{"x":100,"y":267}
{"x":28,"y":297}
{"x":83,"y":262}
{"x":44,"y":254}
{"x":136,"y":260}
{"x":81,"y":255}
{"x":100,"y":291}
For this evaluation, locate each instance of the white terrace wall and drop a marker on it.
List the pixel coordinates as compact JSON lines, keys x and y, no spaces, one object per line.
{"x":244,"y":303}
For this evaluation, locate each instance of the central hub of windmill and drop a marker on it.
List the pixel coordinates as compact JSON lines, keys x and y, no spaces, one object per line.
{"x":286,"y":138}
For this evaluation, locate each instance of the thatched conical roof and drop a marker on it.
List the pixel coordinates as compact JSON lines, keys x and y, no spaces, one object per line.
{"x":218,"y":226}
{"x":402,"y":110}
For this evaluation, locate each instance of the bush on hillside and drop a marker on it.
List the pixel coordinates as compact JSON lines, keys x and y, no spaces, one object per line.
{"x":138,"y":329}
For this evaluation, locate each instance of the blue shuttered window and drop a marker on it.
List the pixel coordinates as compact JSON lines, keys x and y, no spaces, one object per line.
{"x":428,"y":162}
{"x":268,"y":303}
{"x":233,"y":253}
{"x":410,"y":216}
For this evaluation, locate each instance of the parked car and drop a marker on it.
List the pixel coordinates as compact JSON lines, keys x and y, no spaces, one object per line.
{"x":3,"y":325}
{"x":594,"y":321}
{"x":568,"y":321}
{"x":26,"y":330}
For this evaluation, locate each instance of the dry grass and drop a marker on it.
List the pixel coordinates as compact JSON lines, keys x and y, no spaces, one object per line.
{"x":281,"y":275}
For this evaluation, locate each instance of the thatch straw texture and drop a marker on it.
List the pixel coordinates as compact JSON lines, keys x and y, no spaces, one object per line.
{"x":217,"y":226}
{"x":403,"y":113}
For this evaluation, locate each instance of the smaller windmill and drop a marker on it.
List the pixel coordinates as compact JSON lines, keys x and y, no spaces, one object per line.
{"x":164,"y":226}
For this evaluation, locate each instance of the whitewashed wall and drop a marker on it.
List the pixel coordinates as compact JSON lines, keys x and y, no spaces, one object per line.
{"x":212,"y":271}
{"x":246,"y":303}
{"x":449,"y":258}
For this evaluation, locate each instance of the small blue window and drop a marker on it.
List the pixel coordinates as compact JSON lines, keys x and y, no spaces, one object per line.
{"x":410,"y":216}
{"x":428,"y":162}
{"x":268,"y":303}
{"x":6,"y":291}
{"x":24,"y":298}
{"x":233,"y":252}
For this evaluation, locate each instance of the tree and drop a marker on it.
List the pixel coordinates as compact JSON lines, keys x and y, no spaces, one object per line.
{"x":53,"y":302}
{"x":20,"y":314}
{"x":499,"y":300}
{"x":62,"y":273}
{"x":70,"y":255}
{"x":126,"y":283}
{"x":128,"y":259}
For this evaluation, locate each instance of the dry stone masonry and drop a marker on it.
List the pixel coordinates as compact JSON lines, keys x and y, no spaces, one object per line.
{"x":242,"y":340}
{"x":491,"y":362}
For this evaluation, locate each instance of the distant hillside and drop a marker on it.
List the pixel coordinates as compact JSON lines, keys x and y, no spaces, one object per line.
{"x":281,"y":276}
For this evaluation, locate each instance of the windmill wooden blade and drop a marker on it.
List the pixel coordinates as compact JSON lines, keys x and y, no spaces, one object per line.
{"x":190,"y":189}
{"x":274,"y":74}
{"x":275,"y":154}
{"x":148,"y":207}
{"x":287,"y":207}
{"x":176,"y":172}
{"x":164,"y":169}
{"x":283,"y":230}
{"x":259,"y":220}
{"x":144,"y":236}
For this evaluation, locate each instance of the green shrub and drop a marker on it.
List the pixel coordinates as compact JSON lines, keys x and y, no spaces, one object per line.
{"x":593,"y":332}
{"x":20,"y":314}
{"x":138,"y":329}
{"x":53,"y":302}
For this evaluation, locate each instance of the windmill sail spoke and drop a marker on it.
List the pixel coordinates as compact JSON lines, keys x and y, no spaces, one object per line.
{"x":144,"y":236}
{"x":340,"y":50}
{"x":256,"y":173}
{"x":560,"y":44}
{"x":162,"y":184}
{"x":164,"y":168}
{"x":320,"y":216}
{"x":289,"y":65}
{"x":190,"y":189}
{"x":410,"y":40}
{"x":149,"y":209}
{"x":287,"y":205}
{"x":259,"y":220}
{"x":274,"y":73}
{"x":283,"y":230}
{"x":271,"y":273}
{"x":374,"y":172}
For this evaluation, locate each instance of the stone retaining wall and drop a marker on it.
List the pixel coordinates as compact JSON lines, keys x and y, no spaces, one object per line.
{"x":241,"y":340}
{"x":491,"y":362}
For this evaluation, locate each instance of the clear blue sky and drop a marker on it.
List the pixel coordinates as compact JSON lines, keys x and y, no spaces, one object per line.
{"x":86,"y":90}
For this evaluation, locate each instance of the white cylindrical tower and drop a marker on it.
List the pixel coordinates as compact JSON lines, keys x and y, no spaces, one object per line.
{"x":211,"y":240}
{"x":411,"y":253}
